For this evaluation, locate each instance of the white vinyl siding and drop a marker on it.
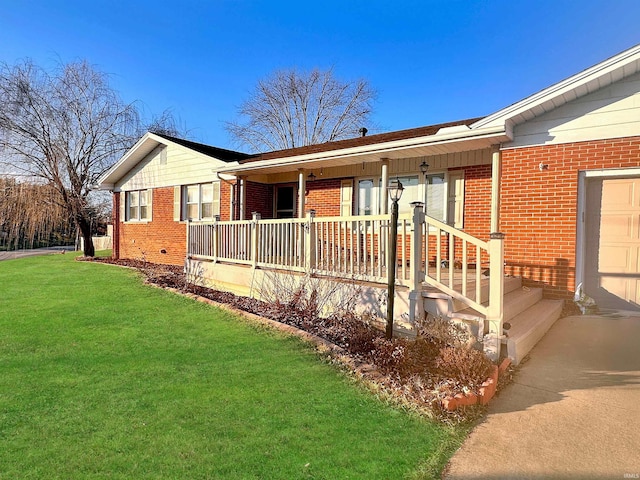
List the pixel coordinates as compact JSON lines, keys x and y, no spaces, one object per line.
{"x":167,"y":166}
{"x":610,"y":112}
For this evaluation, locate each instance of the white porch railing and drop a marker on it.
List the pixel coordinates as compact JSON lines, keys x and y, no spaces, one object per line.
{"x":358,"y":247}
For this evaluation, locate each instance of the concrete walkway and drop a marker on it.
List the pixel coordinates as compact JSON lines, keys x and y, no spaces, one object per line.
{"x":573,"y":410}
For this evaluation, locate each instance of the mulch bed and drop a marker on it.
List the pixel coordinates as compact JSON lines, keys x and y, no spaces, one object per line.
{"x":418,"y":374}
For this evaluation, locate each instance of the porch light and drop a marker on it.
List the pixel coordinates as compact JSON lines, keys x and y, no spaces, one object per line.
{"x":424,"y":166}
{"x":395,"y":190}
{"x":311,"y":177}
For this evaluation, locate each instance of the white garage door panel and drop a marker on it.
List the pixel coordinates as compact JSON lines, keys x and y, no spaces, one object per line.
{"x":617,"y":226}
{"x":615,"y":259}
{"x":612,"y":266}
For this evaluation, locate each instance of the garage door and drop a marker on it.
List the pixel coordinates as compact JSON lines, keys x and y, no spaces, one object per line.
{"x":612,"y":263}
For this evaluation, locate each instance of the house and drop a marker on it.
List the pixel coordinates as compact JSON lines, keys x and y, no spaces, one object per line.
{"x":545,"y":193}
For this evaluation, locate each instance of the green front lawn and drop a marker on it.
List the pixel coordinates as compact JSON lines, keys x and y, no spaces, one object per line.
{"x":104,"y":377}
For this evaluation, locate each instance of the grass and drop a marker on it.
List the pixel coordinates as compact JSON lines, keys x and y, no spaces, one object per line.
{"x":104,"y":377}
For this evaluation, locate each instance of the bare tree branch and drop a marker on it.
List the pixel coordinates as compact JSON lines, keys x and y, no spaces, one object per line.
{"x":290,"y":109}
{"x":67,"y":128}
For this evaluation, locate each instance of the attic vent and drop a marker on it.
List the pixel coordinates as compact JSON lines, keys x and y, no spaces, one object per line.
{"x":363,"y":132}
{"x":163,"y":156}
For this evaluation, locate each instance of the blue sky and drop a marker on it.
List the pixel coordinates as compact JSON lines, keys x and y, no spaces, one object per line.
{"x":431,"y":61}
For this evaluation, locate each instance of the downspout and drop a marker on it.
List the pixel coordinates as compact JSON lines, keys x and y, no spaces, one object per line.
{"x":232,"y":203}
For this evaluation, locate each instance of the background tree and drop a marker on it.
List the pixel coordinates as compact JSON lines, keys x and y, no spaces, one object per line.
{"x":65,"y":129}
{"x":31,"y":216}
{"x":291,"y":109}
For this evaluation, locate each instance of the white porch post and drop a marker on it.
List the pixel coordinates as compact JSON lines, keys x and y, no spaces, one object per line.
{"x":310,"y":242}
{"x":495,"y":311}
{"x":496,"y":169}
{"x":416,"y":305}
{"x":243,"y":197}
{"x":384,"y":197}
{"x":256,"y":217}
{"x":302,"y":187}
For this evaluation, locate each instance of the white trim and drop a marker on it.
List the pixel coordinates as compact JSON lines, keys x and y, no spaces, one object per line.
{"x":595,"y":77}
{"x":583,"y":176}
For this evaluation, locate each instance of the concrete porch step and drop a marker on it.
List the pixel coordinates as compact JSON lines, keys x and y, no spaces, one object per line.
{"x":527,"y":313}
{"x":515,"y":302}
{"x":439,"y":303}
{"x":529,"y":326}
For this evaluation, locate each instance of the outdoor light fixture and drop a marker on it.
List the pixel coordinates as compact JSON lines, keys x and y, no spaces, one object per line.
{"x":311,"y":177}
{"x":395,"y":190}
{"x":424,"y":166}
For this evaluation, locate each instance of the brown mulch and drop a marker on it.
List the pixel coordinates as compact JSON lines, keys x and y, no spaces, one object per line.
{"x":417,"y":373}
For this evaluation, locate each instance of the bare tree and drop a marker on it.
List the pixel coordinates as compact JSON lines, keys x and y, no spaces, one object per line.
{"x":290,"y":109}
{"x":65,"y":128}
{"x":30,"y":216}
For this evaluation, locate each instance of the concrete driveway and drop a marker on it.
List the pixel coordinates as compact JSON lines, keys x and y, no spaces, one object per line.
{"x":573,"y":410}
{"x":30,"y":253}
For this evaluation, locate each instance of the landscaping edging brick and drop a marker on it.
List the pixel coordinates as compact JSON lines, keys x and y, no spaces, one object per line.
{"x":487,"y":390}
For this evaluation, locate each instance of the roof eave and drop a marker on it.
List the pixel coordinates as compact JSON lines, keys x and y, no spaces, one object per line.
{"x":492,"y":135}
{"x":620,"y":62}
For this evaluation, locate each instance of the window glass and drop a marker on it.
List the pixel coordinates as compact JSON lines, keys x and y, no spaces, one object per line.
{"x":133,"y":205}
{"x":365,"y":197}
{"x":143,"y":205}
{"x":285,"y":201}
{"x":436,"y":196}
{"x":412,"y":193}
{"x":202,"y":201}
{"x":192,"y":202}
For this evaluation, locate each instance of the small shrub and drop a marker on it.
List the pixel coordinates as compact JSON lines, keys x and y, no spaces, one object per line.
{"x":444,"y":331}
{"x":463,"y":365}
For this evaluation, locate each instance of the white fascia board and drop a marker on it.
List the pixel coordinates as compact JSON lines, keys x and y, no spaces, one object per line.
{"x":127,"y":161}
{"x":376,"y":148}
{"x":558,"y":89}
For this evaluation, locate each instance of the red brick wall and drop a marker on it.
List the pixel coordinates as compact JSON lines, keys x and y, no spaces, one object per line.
{"x":323,"y":196}
{"x":538,"y":208}
{"x":477,"y":201}
{"x":147,"y":240}
{"x":225,"y":199}
{"x":115,"y":252}
{"x":259,"y":198}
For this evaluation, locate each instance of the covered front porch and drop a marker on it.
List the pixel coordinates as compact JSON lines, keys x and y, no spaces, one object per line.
{"x":442,"y":259}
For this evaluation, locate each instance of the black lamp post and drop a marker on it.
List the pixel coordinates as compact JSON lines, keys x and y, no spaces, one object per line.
{"x":395,"y":192}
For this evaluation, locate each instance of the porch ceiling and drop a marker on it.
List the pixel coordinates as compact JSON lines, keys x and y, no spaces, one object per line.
{"x":459,"y":141}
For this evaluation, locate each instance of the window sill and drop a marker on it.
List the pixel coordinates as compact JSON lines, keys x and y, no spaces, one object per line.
{"x":137,"y":222}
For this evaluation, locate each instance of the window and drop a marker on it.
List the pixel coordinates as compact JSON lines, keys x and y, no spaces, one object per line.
{"x":201,"y":201}
{"x":413,"y":192}
{"x":444,"y":201}
{"x":138,"y":205}
{"x":436,"y":191}
{"x":366,"y":198}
